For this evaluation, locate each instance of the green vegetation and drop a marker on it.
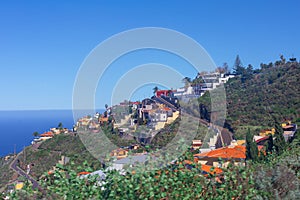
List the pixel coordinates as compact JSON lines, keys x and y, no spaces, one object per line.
{"x":251,"y":147}
{"x":256,"y":99}
{"x":35,"y":134}
{"x":50,"y":151}
{"x":279,"y":143}
{"x":275,"y":177}
{"x":271,"y":92}
{"x":6,"y":174}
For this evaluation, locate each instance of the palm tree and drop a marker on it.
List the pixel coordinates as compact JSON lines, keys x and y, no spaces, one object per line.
{"x":187,"y":81}
{"x":60,"y":126}
{"x":35,"y":134}
{"x":155,"y":89}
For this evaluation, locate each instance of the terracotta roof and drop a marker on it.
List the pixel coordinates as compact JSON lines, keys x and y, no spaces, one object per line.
{"x":103,"y":119}
{"x":83,"y":173}
{"x":47,"y":134}
{"x":166,"y":108}
{"x":188,"y":162}
{"x":225,"y":152}
{"x":136,"y":103}
{"x":208,"y":169}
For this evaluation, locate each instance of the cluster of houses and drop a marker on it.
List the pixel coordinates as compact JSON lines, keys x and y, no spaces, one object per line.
{"x":235,"y":153}
{"x":128,"y":117}
{"x":195,"y":90}
{"x":289,"y":129}
{"x":163,"y":108}
{"x":49,"y":134}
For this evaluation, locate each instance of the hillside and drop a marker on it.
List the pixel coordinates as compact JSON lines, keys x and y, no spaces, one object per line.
{"x":48,"y":154}
{"x":272,"y":93}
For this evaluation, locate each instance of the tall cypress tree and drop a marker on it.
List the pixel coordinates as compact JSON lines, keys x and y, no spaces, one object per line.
{"x":251,"y":147}
{"x":270,"y":144}
{"x":248,"y":145}
{"x":279,"y":143}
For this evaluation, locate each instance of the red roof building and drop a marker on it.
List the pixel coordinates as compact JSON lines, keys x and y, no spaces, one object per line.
{"x":236,"y":154}
{"x":163,"y":93}
{"x":47,"y":134}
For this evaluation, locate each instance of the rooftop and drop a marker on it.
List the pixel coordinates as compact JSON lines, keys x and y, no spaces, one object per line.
{"x":225,"y":152}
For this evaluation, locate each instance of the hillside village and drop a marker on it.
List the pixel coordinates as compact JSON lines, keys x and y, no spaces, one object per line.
{"x":152,"y":114}
{"x":140,"y":121}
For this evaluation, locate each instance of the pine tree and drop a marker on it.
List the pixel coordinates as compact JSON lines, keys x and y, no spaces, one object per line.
{"x":238,"y":68}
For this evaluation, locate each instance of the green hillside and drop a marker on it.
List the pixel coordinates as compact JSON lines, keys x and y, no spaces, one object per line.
{"x":48,"y":154}
{"x":260,"y":97}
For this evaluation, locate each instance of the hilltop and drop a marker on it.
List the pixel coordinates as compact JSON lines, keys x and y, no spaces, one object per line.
{"x":256,"y":99}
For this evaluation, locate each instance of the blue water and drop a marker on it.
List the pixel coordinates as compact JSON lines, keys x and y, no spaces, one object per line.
{"x":17,"y":127}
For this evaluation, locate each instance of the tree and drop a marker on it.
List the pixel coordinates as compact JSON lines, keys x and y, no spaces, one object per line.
{"x":238,"y":68}
{"x":60,"y":126}
{"x":105,"y":114}
{"x":279,"y":143}
{"x":282,"y":58}
{"x":251,"y":147}
{"x":155,"y":89}
{"x":35,"y":134}
{"x":249,"y":69}
{"x":296,"y":139}
{"x":187,"y":81}
{"x":247,"y":73}
{"x":204,"y":113}
{"x":270,"y":144}
{"x":224,"y":69}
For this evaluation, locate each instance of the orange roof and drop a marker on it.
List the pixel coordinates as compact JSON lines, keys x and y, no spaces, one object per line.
{"x":208,"y":169}
{"x":188,"y":162}
{"x":136,"y":103}
{"x":225,"y":152}
{"x":47,"y":134}
{"x":104,"y":119}
{"x":83,"y":173}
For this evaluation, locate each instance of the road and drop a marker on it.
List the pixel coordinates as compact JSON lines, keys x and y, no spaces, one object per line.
{"x":17,"y":169}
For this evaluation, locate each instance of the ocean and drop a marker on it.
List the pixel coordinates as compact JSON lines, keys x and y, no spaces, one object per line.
{"x":17,"y":127}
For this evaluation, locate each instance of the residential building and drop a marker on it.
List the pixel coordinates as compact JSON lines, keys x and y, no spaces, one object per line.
{"x":128,"y":162}
{"x":223,"y":156}
{"x":119,"y":153}
{"x":267,"y":132}
{"x":196,"y":144}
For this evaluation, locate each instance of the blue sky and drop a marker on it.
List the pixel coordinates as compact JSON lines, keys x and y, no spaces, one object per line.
{"x":42,"y":44}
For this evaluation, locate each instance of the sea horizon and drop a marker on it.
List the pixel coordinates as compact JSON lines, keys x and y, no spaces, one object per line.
{"x":17,"y":126}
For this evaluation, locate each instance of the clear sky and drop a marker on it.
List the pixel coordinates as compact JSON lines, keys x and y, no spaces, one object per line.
{"x":43,"y":43}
